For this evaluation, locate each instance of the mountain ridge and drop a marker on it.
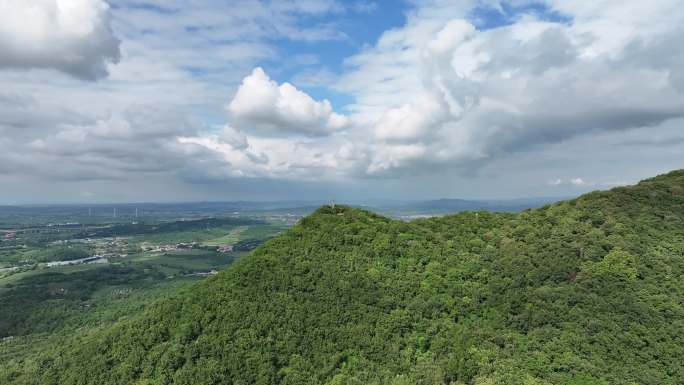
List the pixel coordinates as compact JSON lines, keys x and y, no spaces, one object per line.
{"x":585,"y":291}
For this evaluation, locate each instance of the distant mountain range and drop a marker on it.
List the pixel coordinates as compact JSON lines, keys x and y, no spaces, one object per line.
{"x":445,"y":206}
{"x":387,"y":207}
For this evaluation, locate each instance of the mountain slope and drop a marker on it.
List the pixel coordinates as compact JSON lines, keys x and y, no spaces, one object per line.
{"x":587,"y":291}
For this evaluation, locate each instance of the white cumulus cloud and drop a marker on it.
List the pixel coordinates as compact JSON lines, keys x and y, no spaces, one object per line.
{"x":578,"y":182}
{"x":263,"y":106}
{"x":72,"y":36}
{"x":467,"y":95}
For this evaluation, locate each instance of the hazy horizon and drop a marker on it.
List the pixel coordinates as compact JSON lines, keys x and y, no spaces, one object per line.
{"x":320,"y":201}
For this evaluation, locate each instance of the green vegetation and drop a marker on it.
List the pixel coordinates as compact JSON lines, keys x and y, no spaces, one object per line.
{"x":228,"y":239}
{"x":173,"y":227}
{"x":42,"y":311}
{"x":61,"y":253}
{"x":583,"y":292}
{"x":44,"y":303}
{"x":182,"y":262}
{"x":30,"y":256}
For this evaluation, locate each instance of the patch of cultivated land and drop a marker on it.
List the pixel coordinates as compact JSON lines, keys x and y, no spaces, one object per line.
{"x":228,"y":239}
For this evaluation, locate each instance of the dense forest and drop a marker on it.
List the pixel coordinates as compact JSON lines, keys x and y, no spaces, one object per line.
{"x":582,"y":292}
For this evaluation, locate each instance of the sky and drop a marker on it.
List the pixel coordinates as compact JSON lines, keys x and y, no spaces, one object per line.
{"x":194,"y":100}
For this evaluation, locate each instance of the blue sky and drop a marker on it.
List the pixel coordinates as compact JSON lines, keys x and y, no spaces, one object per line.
{"x":265,"y":99}
{"x":360,"y":26}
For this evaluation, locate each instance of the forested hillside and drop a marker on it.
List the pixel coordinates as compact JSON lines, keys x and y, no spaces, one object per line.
{"x":583,"y":292}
